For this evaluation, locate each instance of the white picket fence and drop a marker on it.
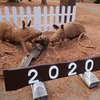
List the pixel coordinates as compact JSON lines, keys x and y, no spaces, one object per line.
{"x":42,"y":17}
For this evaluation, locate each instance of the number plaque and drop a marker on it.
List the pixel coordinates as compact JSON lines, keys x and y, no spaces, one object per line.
{"x":18,"y":78}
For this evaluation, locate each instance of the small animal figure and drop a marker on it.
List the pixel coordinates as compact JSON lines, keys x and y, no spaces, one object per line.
{"x":11,"y":33}
{"x":70,"y":30}
{"x":42,"y":40}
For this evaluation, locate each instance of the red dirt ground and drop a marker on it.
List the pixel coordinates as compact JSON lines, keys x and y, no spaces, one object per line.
{"x":69,"y":88}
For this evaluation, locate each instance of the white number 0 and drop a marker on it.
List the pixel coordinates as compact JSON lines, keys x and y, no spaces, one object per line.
{"x":56,"y":74}
{"x":32,"y":80}
{"x":86,"y":65}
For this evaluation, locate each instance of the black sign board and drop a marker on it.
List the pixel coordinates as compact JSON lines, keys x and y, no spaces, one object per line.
{"x":18,"y":78}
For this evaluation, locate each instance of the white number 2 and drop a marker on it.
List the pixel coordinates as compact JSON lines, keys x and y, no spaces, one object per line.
{"x":72,"y":66}
{"x":32,"y":80}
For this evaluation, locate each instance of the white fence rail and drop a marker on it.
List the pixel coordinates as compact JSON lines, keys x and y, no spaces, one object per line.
{"x":42,"y":17}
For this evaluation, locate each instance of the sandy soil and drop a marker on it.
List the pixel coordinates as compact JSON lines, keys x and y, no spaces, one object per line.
{"x":69,"y":88}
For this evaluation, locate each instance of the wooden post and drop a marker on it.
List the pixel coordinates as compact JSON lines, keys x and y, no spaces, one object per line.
{"x":30,"y":0}
{"x":43,"y":2}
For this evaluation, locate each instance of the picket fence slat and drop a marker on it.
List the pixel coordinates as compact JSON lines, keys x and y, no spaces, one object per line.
{"x":51,"y":18}
{"x":37,"y":19}
{"x":14,"y":12}
{"x":63,"y":14}
{"x":7,"y":14}
{"x":42,"y":18}
{"x":45,"y":18}
{"x":74,"y":13}
{"x":68,"y":14}
{"x":21,"y":14}
{"x":57,"y":14}
{"x":28,"y":13}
